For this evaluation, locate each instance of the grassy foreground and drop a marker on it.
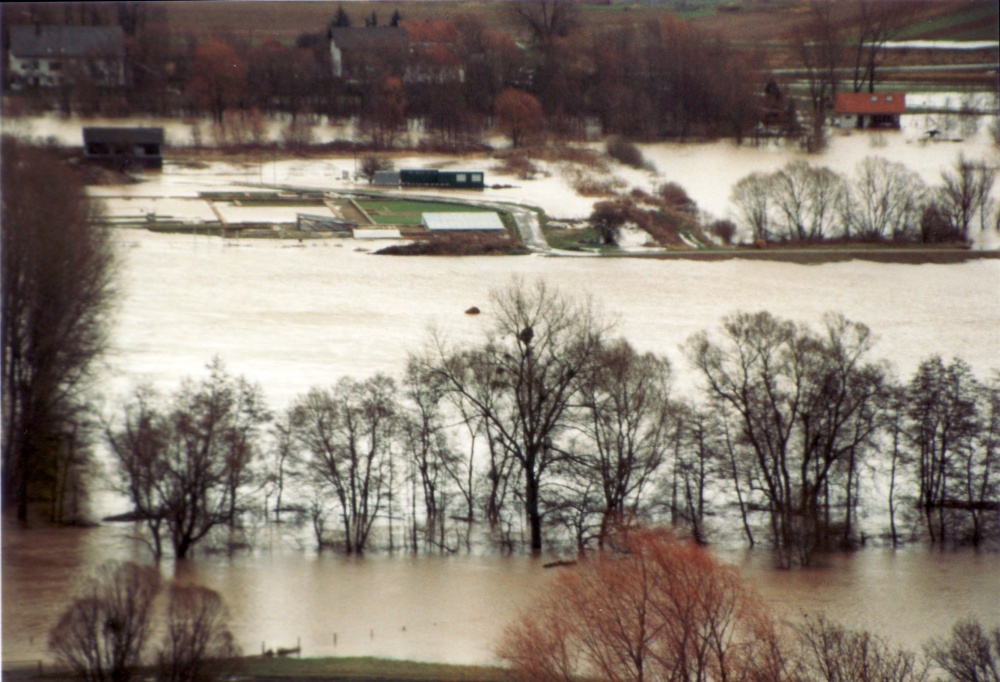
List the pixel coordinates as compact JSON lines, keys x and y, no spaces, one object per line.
{"x":365,"y":669}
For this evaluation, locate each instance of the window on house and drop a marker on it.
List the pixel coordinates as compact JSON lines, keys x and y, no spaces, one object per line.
{"x":477,"y":177}
{"x":460,"y":177}
{"x":874,"y":99}
{"x":888,"y":98}
{"x":55,"y":66}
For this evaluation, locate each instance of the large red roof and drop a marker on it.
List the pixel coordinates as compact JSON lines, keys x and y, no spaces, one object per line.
{"x":870,"y":103}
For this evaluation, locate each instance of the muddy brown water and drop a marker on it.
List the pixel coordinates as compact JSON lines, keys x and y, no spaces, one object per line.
{"x":453,"y":609}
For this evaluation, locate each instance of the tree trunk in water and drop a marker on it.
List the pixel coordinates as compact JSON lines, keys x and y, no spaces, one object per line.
{"x":531,"y":504}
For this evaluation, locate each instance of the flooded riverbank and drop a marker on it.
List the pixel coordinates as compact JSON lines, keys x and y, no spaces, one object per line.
{"x":452,"y":609}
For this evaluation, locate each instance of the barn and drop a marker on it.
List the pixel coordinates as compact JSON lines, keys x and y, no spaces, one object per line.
{"x":124,"y":147}
{"x":869,"y":110}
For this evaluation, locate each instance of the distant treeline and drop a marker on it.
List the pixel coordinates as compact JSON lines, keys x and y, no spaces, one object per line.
{"x":663,"y":78}
{"x":551,"y":431}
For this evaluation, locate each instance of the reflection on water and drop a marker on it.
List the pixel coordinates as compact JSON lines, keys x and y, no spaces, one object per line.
{"x":453,"y":608}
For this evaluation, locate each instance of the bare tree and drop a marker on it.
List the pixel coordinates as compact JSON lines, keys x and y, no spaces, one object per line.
{"x":627,"y":422}
{"x":970,"y":655}
{"x":886,"y":201}
{"x":57,"y":281}
{"x":820,"y":51}
{"x":878,"y":22}
{"x":383,"y":117}
{"x":953,"y":433}
{"x":808,"y":200}
{"x":806,"y":404}
{"x":426,"y":447}
{"x":218,"y":78}
{"x":547,"y":19}
{"x":521,"y":380}
{"x":752,"y":196}
{"x":184,"y":467}
{"x":519,"y":114}
{"x":832,"y":653}
{"x":102,"y":635}
{"x":347,"y":436}
{"x":197,"y":645}
{"x":965,"y":194}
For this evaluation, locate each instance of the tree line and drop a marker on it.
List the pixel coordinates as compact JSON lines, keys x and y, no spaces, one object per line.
{"x":884,"y":200}
{"x":454,"y":78}
{"x":58,"y":288}
{"x":804,"y":202}
{"x":551,"y":431}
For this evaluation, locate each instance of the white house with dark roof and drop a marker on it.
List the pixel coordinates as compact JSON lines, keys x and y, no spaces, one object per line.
{"x":48,"y":56}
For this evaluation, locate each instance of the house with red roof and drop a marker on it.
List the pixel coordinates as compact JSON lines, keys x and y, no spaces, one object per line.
{"x":869,"y":109}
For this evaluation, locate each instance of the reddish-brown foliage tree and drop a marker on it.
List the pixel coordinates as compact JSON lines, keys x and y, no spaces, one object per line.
{"x":519,"y":113}
{"x":218,"y":77}
{"x":658,"y":608}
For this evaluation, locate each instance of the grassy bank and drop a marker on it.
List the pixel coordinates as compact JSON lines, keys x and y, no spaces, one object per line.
{"x":365,"y":669}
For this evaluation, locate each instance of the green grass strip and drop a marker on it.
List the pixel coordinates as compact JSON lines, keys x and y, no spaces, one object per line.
{"x":369,"y":669}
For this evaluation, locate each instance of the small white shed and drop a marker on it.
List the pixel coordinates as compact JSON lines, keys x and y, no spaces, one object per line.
{"x":481,"y":221}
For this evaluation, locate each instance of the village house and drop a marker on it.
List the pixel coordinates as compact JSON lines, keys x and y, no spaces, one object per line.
{"x":354,"y":50}
{"x":869,"y":109}
{"x":418,"y":51}
{"x":51,"y":56}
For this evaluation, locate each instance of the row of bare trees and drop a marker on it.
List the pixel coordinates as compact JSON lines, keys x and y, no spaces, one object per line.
{"x":550,"y":429}
{"x":884,"y":200}
{"x":656,"y":608}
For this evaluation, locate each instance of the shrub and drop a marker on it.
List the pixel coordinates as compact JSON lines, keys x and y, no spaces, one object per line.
{"x":608,"y":218}
{"x":625,"y":152}
{"x":674,"y":197}
{"x":724,"y":230}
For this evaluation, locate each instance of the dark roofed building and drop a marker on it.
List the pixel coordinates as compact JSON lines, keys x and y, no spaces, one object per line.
{"x":46,"y":56}
{"x":124,"y":147}
{"x":351,"y":49}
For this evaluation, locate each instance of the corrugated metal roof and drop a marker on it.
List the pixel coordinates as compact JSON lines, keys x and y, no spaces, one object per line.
{"x":67,"y":41}
{"x":870,"y":103}
{"x":478,"y":221}
{"x":382,"y":233}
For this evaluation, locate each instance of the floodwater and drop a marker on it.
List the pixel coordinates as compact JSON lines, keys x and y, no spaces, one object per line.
{"x":290,"y":316}
{"x":453,"y":609}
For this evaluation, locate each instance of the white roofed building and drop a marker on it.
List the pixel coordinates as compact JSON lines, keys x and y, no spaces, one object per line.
{"x":480,"y":221}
